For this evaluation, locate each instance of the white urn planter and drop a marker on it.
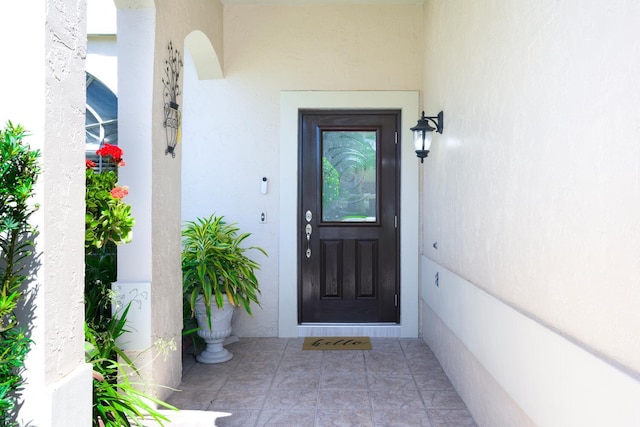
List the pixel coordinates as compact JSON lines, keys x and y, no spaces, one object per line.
{"x":216,"y":335}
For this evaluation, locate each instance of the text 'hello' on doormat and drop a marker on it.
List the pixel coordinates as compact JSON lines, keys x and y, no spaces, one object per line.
{"x":337,"y":343}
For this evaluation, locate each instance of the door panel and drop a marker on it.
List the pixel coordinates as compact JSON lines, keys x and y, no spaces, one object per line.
{"x":348,"y":237}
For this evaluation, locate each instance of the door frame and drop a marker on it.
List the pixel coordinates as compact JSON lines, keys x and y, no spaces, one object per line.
{"x":408,"y":103}
{"x":377,"y":240}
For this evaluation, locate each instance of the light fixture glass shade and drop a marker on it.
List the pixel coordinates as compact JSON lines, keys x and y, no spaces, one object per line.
{"x":418,"y":140}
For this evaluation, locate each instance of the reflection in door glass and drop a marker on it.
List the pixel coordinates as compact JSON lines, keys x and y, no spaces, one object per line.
{"x":349,"y":176}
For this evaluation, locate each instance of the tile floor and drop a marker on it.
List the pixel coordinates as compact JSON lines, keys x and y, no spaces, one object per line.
{"x":273,"y":382}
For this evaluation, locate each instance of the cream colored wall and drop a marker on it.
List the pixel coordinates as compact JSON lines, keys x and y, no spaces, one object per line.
{"x":533,"y":190}
{"x":269,"y":49}
{"x":43,"y":89}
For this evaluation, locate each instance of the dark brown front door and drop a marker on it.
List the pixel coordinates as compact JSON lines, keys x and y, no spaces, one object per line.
{"x":348,"y":226}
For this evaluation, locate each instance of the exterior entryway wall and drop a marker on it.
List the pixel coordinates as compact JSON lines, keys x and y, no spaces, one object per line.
{"x":276,"y":48}
{"x":533,"y":195}
{"x":290,"y":103}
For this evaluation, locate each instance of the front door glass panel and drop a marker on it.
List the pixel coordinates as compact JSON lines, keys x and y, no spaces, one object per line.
{"x":349,"y":176}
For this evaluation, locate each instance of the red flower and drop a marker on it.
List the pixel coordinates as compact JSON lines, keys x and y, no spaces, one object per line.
{"x":119,"y":192}
{"x":111,"y":150}
{"x":91,"y":164}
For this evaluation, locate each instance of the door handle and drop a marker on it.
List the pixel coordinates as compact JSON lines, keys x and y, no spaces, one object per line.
{"x":308,"y":229}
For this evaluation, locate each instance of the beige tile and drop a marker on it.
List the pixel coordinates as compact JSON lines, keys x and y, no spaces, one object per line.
{"x":228,"y":400}
{"x":386,"y":363}
{"x":332,"y":400}
{"x":383,"y":400}
{"x":257,"y":367}
{"x":384,"y":357}
{"x":419,"y":355}
{"x":270,"y":356}
{"x":195,"y":400}
{"x":344,"y":381}
{"x":385,"y":344}
{"x":239,"y":418}
{"x":441,"y":399}
{"x":411,"y":345}
{"x":392,"y":382}
{"x":296,"y":380}
{"x":295,"y":345}
{"x":214,"y":368}
{"x":418,"y":350}
{"x":299,"y":354}
{"x":283,"y":418}
{"x":390,"y":353}
{"x":292,"y":399}
{"x":299,"y":365}
{"x":203,"y":380}
{"x":346,"y":367}
{"x":424,"y":366}
{"x":433,"y":382}
{"x":342,"y":356}
{"x":402,"y":418}
{"x":242,"y":346}
{"x":451,"y":418}
{"x":273,"y":382}
{"x":239,"y":381}
{"x":344,"y":418}
{"x":266,"y":344}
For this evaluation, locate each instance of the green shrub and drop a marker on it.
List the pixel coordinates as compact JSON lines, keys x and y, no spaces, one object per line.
{"x":19,"y":170}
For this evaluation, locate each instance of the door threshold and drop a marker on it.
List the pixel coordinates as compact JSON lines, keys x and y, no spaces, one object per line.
{"x":380,"y":330}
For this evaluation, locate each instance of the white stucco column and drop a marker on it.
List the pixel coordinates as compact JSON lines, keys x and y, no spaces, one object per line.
{"x":43,"y":89}
{"x":149,"y":267}
{"x":136,"y":29}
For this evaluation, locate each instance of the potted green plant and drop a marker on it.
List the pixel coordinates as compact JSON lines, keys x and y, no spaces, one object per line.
{"x":216,"y":269}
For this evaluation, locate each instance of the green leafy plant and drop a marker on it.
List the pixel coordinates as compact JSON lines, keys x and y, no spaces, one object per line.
{"x":14,"y":347}
{"x":108,"y":218}
{"x":108,"y":223}
{"x":19,"y":169}
{"x":100,"y":273}
{"x":214,"y":263}
{"x":117,"y":400}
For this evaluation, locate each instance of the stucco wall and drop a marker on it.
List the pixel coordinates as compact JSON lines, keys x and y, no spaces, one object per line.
{"x":269,"y":49}
{"x":533,"y":190}
{"x":152,"y":260}
{"x":43,"y":89}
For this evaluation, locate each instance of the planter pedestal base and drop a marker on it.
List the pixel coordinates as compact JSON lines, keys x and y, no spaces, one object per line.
{"x":215,"y":352}
{"x":217,"y":334}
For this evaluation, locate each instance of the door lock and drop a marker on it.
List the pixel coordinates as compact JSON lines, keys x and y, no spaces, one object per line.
{"x":308,"y":229}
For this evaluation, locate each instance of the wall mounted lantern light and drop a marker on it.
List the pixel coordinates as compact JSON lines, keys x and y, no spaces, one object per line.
{"x":423,"y":133}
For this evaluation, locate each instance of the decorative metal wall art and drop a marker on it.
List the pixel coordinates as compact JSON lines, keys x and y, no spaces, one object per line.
{"x":172,"y":116}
